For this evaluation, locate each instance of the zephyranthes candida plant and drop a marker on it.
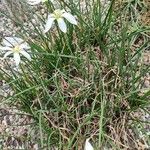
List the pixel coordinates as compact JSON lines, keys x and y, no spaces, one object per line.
{"x":17,"y":46}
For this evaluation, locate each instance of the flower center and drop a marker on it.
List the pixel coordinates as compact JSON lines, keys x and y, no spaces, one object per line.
{"x":17,"y":49}
{"x":58,"y":14}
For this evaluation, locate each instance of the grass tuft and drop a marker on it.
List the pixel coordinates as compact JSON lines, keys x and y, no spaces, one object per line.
{"x":87,"y":82}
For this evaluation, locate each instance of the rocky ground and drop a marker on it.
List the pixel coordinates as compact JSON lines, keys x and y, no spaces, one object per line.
{"x":17,"y":130}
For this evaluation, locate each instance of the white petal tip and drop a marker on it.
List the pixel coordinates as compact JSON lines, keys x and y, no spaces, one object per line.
{"x":88,"y":145}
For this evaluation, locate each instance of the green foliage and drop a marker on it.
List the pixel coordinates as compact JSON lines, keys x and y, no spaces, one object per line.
{"x":78,"y":82}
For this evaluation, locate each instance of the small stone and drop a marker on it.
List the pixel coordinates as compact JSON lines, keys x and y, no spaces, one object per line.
{"x":42,"y":11}
{"x":35,"y":147}
{"x":146,"y":84}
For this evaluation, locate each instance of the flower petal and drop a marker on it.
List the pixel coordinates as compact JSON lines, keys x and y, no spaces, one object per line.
{"x":17,"y":58}
{"x":70,"y":18}
{"x":25,"y":54}
{"x":88,"y":146}
{"x":34,"y":2}
{"x":62,"y":25}
{"x":5,"y":48}
{"x":7,"y":53}
{"x":49,"y":23}
{"x":11,"y":41}
{"x":24,"y":46}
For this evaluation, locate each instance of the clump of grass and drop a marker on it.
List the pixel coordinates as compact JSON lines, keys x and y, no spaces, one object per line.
{"x":84,"y":83}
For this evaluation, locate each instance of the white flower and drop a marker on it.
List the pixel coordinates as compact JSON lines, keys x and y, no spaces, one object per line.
{"x":35,"y":2}
{"x":15,"y":46}
{"x":59,"y":15}
{"x":88,"y":145}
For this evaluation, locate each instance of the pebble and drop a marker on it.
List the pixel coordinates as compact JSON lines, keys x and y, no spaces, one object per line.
{"x":147,"y":83}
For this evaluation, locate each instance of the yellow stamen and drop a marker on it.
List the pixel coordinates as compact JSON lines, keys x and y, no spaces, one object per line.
{"x":58,"y":14}
{"x":17,"y":49}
